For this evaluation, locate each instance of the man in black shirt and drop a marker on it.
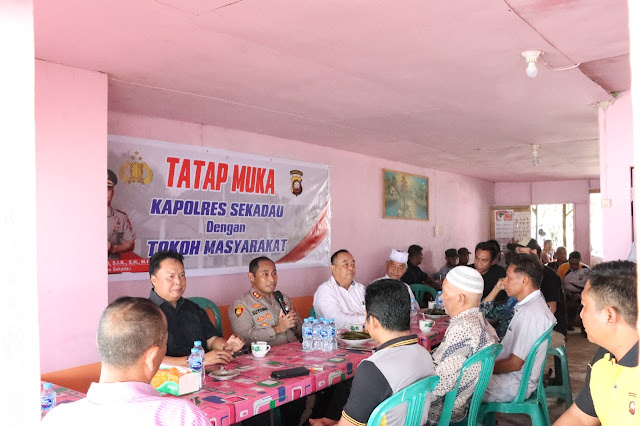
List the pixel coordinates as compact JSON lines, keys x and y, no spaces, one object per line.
{"x":483,"y":263}
{"x":414,"y":274}
{"x":186,"y":321}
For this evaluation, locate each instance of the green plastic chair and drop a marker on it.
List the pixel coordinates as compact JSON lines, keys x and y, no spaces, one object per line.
{"x":536,"y":406}
{"x":562,"y":391}
{"x":414,"y":395}
{"x":486,"y":357}
{"x":205,"y":303}
{"x":312,"y":312}
{"x":420,"y":290}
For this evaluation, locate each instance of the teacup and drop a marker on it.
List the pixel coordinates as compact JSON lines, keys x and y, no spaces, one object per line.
{"x":426,"y":325}
{"x":260,"y":349}
{"x":355,"y":327}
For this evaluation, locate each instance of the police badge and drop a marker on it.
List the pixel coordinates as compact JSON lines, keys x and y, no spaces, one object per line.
{"x":296,"y":182}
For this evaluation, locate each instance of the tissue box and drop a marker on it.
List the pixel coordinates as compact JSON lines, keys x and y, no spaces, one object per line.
{"x":175,"y":380}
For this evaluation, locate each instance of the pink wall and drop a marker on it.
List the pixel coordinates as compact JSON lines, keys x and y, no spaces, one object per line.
{"x":553,"y":192}
{"x":616,"y":159}
{"x":460,"y":205}
{"x":71,"y":148}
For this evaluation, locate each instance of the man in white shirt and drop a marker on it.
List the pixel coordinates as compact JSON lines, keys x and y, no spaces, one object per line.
{"x":531,"y":319}
{"x":341,"y":298}
{"x":396,"y":267}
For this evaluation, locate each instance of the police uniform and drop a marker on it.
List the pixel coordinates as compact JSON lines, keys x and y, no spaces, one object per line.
{"x":119,"y":229}
{"x":253,"y":317}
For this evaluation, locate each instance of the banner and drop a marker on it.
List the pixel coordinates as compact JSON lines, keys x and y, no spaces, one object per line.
{"x":219,"y":209}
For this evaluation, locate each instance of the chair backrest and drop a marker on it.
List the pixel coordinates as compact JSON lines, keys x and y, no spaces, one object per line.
{"x":521,"y":396}
{"x":205,"y":303}
{"x":486,"y":357}
{"x":419,"y":290}
{"x":312,"y":312}
{"x":414,"y":395}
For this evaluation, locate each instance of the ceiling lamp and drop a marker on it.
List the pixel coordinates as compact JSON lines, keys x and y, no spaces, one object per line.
{"x":536,"y":157}
{"x":531,"y":56}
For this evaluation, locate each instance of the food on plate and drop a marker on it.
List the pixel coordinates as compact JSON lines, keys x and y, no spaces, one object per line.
{"x":435,"y":311}
{"x":354,"y":335}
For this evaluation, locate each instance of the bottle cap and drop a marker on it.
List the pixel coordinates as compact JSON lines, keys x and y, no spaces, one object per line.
{"x":197,"y":343}
{"x":47,"y":385}
{"x":194,"y":350}
{"x":331,"y":320}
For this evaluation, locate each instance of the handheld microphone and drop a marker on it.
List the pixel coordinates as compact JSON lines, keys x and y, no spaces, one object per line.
{"x":278,"y":295}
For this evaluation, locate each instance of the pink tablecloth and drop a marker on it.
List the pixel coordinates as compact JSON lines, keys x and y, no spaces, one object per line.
{"x":435,"y":336}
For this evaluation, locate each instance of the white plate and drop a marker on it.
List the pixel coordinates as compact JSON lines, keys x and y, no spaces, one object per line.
{"x":224,"y":374}
{"x":435,"y":316}
{"x":358,"y":342}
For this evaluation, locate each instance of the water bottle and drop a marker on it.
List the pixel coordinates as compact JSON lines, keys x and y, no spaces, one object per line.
{"x":195,"y":362}
{"x":47,"y":398}
{"x":198,"y":345}
{"x":439,"y":304}
{"x":334,"y":337}
{"x":325,"y":332}
{"x":307,"y":335}
{"x":317,"y":338}
{"x":414,"y":311}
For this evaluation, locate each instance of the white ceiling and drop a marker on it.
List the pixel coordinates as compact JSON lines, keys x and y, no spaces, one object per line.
{"x":435,"y":84}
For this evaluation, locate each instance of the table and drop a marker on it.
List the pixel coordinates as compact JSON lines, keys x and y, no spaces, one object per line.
{"x":435,"y":336}
{"x":254,"y":391}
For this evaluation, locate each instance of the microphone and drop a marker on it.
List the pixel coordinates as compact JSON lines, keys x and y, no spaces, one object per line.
{"x":278,"y":295}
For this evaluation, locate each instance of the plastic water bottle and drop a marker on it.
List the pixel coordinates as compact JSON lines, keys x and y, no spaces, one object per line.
{"x":334,"y":337}
{"x":195,"y":362}
{"x":414,"y":311}
{"x":307,"y":335}
{"x":439,"y":304}
{"x":47,"y":398}
{"x":317,"y":338}
{"x":325,"y":332}
{"x":198,"y":345}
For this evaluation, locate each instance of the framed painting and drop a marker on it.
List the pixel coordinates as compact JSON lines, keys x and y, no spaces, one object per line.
{"x":404,"y":195}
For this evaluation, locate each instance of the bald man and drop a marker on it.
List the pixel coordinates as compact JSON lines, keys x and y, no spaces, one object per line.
{"x":132,"y":340}
{"x":468,"y":332}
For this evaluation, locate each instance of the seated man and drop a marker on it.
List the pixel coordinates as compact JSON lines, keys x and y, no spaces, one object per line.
{"x":463,"y":256}
{"x":187,"y":322}
{"x":414,"y":274}
{"x":396,"y":266}
{"x":610,"y":313}
{"x":132,"y":340}
{"x":451,"y":261}
{"x":484,"y":256}
{"x":530,"y":320}
{"x":468,"y":332}
{"x":573,"y":282}
{"x":258,"y":316}
{"x":341,"y":298}
{"x":561,"y":258}
{"x":398,"y":362}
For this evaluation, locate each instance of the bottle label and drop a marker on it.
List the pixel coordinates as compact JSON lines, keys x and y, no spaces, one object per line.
{"x":195,"y":365}
{"x":46,"y":402}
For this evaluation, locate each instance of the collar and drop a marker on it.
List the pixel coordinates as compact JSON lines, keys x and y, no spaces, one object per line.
{"x":333,"y":280}
{"x":153,"y":296}
{"x":470,"y":311}
{"x":102,"y":393}
{"x":529,"y":298}
{"x":257,"y":296}
{"x":411,"y":339}
{"x":630,"y":359}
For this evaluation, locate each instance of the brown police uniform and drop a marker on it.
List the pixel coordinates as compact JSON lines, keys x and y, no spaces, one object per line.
{"x":253,"y":317}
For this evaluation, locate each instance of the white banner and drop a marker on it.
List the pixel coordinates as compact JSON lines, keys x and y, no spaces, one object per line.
{"x":220,"y":209}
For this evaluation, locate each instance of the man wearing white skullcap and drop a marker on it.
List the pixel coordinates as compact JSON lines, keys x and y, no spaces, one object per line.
{"x":468,"y":332}
{"x":396,"y":267}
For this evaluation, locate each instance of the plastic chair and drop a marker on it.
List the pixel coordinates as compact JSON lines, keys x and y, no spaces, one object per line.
{"x":536,"y":406}
{"x":205,"y":303}
{"x":420,"y":290}
{"x":414,"y":395}
{"x":486,"y":357}
{"x":563,"y":390}
{"x":312,"y":312}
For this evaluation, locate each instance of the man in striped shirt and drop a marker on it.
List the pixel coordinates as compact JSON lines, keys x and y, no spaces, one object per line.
{"x":132,"y":340}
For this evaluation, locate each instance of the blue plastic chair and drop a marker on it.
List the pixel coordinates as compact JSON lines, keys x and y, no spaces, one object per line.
{"x":536,"y":405}
{"x":486,"y":357}
{"x":205,"y":303}
{"x":420,"y":290}
{"x":414,"y":395}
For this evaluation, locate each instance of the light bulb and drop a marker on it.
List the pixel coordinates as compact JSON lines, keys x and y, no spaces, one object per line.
{"x":532,"y":70}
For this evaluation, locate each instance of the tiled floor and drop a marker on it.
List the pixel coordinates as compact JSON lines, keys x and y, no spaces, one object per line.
{"x":579,"y":353}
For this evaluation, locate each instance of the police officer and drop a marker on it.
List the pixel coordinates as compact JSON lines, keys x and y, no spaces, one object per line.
{"x":120,"y":235}
{"x":257,"y":315}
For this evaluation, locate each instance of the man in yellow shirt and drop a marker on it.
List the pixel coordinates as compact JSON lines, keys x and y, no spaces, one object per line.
{"x":610,"y":394}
